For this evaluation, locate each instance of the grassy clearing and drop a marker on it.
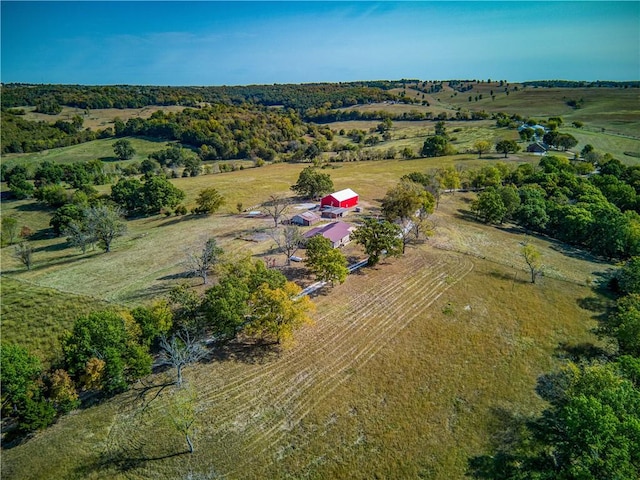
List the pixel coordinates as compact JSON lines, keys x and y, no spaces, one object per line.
{"x":99,"y":118}
{"x":607,"y":143}
{"x":35,"y":317}
{"x":98,"y":149}
{"x":402,"y":375}
{"x":614,"y":109}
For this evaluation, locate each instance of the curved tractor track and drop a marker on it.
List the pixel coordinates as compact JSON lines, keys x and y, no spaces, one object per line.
{"x":261,"y":403}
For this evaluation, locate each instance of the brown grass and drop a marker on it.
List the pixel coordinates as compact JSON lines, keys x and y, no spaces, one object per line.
{"x":400,"y":376}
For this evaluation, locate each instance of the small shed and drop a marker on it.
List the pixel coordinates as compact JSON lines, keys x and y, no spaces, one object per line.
{"x":346,"y":198}
{"x":337,"y":233}
{"x":305,"y":219}
{"x":334,"y":212}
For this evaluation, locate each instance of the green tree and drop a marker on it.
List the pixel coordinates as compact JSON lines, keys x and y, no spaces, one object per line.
{"x":18,"y":377}
{"x":591,"y":430}
{"x":276,"y":313}
{"x":225,"y":306}
{"x":527,"y":134}
{"x":628,"y":276}
{"x":105,"y":224}
{"x":532,"y":212}
{"x":107,"y":336}
{"x":158,"y":193}
{"x":510,"y":200}
{"x":53,"y":195}
{"x":482,"y":146}
{"x":533,"y":259}
{"x":209,"y":201}
{"x":327,"y":263}
{"x":128,"y":194}
{"x":18,"y":183}
{"x":312,"y":183}
{"x":624,"y":325}
{"x":410,"y":204}
{"x":489,"y":206}
{"x":154,"y":321}
{"x":436,"y":146}
{"x":449,"y":178}
{"x":507,"y":147}
{"x":9,"y":230}
{"x":566,"y":141}
{"x":123,"y":149}
{"x":378,"y":238}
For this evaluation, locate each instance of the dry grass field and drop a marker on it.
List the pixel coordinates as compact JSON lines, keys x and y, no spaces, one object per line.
{"x":99,"y":118}
{"x":408,"y":369}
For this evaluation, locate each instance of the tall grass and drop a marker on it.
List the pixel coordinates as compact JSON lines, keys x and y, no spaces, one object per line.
{"x":35,"y":317}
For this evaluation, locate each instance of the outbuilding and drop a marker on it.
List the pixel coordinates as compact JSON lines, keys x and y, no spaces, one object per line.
{"x":346,"y":198}
{"x":305,"y":219}
{"x":538,"y":148}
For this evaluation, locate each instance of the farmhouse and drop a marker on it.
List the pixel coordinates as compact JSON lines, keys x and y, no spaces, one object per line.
{"x":305,"y":219}
{"x":346,"y":198}
{"x":337,"y":233}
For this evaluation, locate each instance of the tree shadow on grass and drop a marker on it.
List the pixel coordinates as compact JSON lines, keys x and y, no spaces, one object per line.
{"x":251,"y":352}
{"x":516,"y":277}
{"x":506,"y":431}
{"x":122,"y":460}
{"x":181,"y":219}
{"x":579,"y":352}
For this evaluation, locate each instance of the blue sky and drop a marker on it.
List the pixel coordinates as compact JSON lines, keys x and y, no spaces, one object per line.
{"x":238,"y":43}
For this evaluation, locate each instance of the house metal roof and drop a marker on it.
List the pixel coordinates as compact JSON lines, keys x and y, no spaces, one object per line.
{"x":334,"y":231}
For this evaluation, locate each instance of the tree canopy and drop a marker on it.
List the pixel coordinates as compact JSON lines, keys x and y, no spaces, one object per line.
{"x":312,"y":183}
{"x":378,"y":238}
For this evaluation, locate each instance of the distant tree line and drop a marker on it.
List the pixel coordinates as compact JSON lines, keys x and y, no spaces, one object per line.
{"x":581,"y":84}
{"x":296,"y":96}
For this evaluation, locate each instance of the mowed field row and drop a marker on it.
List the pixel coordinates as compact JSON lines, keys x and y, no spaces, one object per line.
{"x":254,"y":407}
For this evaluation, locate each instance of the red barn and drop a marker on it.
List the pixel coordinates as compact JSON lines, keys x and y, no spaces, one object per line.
{"x":346,"y":198}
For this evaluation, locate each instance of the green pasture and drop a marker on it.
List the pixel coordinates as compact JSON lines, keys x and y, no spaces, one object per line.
{"x":35,"y":317}
{"x":98,"y":149}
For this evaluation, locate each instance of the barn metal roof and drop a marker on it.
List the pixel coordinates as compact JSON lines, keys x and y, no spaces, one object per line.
{"x":344,"y":194}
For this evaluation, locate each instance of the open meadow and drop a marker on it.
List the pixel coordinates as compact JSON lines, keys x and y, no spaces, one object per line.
{"x":404,"y":371}
{"x":409,"y":368}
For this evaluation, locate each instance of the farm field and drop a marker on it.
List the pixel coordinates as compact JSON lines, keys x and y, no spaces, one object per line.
{"x":409,"y":368}
{"x":151,"y":255}
{"x":97,"y":149}
{"x":404,"y":368}
{"x":100,"y":118}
